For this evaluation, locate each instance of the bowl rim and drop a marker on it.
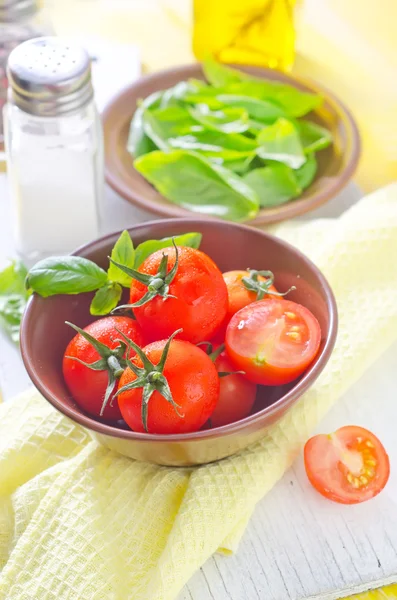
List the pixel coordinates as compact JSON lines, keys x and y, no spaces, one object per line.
{"x":299,"y":206}
{"x":286,"y":400}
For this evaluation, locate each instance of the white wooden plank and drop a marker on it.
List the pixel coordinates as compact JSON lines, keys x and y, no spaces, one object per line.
{"x":299,"y":545}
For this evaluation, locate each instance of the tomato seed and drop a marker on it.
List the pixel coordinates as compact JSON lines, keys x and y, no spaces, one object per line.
{"x":294,"y":335}
{"x":290,"y":315}
{"x":369,"y":444}
{"x":363,"y":480}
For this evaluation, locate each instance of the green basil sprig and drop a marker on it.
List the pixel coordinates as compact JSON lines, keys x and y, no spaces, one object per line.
{"x":75,"y":274}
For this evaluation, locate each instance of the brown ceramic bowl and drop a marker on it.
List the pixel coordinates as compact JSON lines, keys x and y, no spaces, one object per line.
{"x":44,"y":337}
{"x":336,"y":164}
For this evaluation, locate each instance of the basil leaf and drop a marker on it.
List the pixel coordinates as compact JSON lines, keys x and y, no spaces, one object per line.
{"x":12,"y":307}
{"x":123,"y":252}
{"x":274,"y":184}
{"x":292,"y":101}
{"x":174,"y":128}
{"x":65,"y":275}
{"x":193,"y":240}
{"x":138,"y":142}
{"x":219,"y":75}
{"x":191,"y":181}
{"x":305,"y":175}
{"x":106,"y":299}
{"x":176,"y":93}
{"x":263,"y":110}
{"x":280,"y":142}
{"x":228,"y":120}
{"x":12,"y":279}
{"x":313,"y":136}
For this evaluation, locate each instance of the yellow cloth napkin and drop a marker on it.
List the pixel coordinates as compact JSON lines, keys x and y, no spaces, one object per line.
{"x":80,"y":522}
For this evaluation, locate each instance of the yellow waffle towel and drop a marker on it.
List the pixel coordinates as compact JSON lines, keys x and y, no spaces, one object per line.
{"x":79,"y":522}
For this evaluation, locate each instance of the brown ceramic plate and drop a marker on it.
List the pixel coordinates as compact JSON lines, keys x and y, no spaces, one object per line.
{"x":336,"y":164}
{"x":44,"y":337}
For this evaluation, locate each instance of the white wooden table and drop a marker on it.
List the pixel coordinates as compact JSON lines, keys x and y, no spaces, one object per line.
{"x":297,"y":545}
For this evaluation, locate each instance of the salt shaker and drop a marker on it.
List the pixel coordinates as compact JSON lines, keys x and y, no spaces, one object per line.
{"x":20,"y":20}
{"x":54,"y":147}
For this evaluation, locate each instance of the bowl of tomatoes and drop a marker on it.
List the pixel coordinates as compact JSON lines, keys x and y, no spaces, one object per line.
{"x":206,"y":349}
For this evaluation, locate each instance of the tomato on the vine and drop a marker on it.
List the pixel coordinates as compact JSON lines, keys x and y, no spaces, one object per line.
{"x":169,"y":387}
{"x":273,"y":340}
{"x":178,"y":287}
{"x":348,"y":466}
{"x":92,"y":364}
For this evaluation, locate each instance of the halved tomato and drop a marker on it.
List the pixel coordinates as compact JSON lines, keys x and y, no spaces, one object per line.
{"x":273,"y":341}
{"x":348,"y":466}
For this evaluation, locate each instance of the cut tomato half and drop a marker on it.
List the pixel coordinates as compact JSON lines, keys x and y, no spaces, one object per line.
{"x":348,"y":466}
{"x":273,"y":341}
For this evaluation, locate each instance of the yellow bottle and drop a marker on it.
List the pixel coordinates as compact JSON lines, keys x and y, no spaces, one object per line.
{"x":256,"y":32}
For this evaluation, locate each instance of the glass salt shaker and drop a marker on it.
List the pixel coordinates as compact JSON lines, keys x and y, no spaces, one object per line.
{"x":54,"y":147}
{"x":20,"y":20}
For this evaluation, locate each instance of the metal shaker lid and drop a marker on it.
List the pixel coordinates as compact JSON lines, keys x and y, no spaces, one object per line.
{"x":15,"y":10}
{"x":49,"y":77}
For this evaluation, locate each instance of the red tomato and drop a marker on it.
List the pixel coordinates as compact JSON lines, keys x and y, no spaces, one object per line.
{"x":200,"y":301}
{"x":236,"y":395}
{"x":348,"y":466}
{"x":239,"y":296}
{"x":273,"y":340}
{"x":194,"y":384}
{"x":88,"y":387}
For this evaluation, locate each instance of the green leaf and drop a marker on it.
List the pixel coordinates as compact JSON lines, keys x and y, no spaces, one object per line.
{"x":280,"y":142}
{"x":313,"y":136}
{"x":12,"y":279}
{"x":290,"y":99}
{"x":138,"y":142}
{"x":12,"y":307}
{"x":307,"y":172}
{"x":123,"y":252}
{"x":228,"y":120}
{"x":263,"y":110}
{"x":192,"y":182}
{"x":219,"y":75}
{"x":193,"y":240}
{"x":65,"y":275}
{"x":274,"y":184}
{"x":175,"y":94}
{"x":106,"y":299}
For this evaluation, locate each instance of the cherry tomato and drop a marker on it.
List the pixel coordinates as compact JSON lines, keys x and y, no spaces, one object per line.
{"x":194,"y":384}
{"x":273,"y":340}
{"x":88,"y":387}
{"x":348,"y":466}
{"x":236,"y":394}
{"x":200,"y":297}
{"x":239,"y":296}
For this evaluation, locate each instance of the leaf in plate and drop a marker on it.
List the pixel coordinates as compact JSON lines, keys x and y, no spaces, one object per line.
{"x":174,"y":128}
{"x":280,"y":142}
{"x":274,"y":184}
{"x":290,"y":99}
{"x":219,"y":75}
{"x":191,"y":181}
{"x":138,"y":142}
{"x":307,"y":172}
{"x":262,"y":110}
{"x":227,"y":120}
{"x":172,"y":96}
{"x":313,"y":136}
{"x":123,"y":252}
{"x":106,"y":299}
{"x":65,"y":275}
{"x":193,"y":240}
